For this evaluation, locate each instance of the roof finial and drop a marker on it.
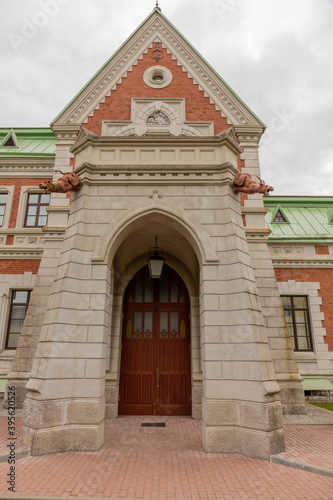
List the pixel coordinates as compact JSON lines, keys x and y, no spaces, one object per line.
{"x":157,"y":6}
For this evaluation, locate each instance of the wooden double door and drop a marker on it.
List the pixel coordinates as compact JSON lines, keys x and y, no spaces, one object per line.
{"x":155,"y":375}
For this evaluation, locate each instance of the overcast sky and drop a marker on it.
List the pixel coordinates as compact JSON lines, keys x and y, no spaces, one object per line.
{"x":277,"y":55}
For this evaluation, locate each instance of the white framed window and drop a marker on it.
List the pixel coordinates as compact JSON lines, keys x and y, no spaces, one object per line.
{"x":8,"y":284}
{"x":296,"y":311}
{"x":18,"y":309}
{"x":318,"y":358}
{"x":6,"y":201}
{"x":32,"y":208}
{"x":3,"y":203}
{"x":36,"y":215}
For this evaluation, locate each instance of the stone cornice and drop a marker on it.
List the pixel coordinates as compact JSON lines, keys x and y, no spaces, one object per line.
{"x":255,"y":235}
{"x":254,"y":210}
{"x":66,"y":132}
{"x":54,"y":231}
{"x":26,"y":167}
{"x":303,"y":263}
{"x":19,"y":253}
{"x":86,"y":139}
{"x":250,"y":135}
{"x":154,"y":175}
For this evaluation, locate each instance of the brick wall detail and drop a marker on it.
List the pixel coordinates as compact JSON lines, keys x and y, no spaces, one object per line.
{"x":118,"y":105}
{"x":321,"y":250}
{"x":19,"y":266}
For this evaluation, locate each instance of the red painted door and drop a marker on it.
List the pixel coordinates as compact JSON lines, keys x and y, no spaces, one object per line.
{"x":155,"y":376}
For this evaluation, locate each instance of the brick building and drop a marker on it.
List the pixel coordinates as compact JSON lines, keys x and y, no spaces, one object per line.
{"x":157,"y":138}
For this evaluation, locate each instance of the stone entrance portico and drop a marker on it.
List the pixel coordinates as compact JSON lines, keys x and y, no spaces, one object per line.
{"x":161,"y":169}
{"x":113,"y":220}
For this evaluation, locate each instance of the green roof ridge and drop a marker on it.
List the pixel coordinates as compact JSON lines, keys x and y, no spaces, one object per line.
{"x":156,"y":9}
{"x":297,"y":200}
{"x":30,"y":130}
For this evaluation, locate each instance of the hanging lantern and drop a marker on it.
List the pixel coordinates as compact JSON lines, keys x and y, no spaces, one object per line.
{"x":156,"y":261}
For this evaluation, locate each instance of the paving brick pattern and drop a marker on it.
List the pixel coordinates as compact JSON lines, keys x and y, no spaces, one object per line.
{"x":4,"y":432}
{"x":169,"y":463}
{"x":311,"y":444}
{"x":314,"y":416}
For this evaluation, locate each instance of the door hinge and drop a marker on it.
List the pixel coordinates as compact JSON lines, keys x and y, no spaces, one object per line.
{"x":189,"y":316}
{"x":190,"y":399}
{"x":121,"y":347}
{"x":189,"y":347}
{"x":119,"y":399}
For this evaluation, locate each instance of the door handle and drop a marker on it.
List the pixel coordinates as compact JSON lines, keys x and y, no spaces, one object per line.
{"x":158,"y":377}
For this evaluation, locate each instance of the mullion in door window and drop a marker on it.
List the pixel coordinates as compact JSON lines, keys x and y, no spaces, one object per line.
{"x":148,"y":326}
{"x":138,"y":327}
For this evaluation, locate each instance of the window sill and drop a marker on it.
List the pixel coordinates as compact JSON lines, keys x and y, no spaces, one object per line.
{"x":305,"y":356}
{"x":8,"y":353}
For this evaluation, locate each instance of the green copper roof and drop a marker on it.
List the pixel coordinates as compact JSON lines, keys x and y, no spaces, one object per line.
{"x":308,"y":218}
{"x":28,"y":142}
{"x":122,"y":45}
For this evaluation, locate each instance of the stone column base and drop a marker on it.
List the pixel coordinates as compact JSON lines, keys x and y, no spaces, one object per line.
{"x":253,"y":429}
{"x":248,"y":442}
{"x":20,"y":391}
{"x":57,"y":426}
{"x":60,"y":440}
{"x":292,"y":398}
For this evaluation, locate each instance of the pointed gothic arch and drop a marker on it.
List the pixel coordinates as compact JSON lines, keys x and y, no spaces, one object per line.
{"x":137,"y":216}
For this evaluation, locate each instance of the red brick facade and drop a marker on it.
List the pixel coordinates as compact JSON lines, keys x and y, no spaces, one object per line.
{"x":118,"y":105}
{"x":19,"y":266}
{"x":325,"y":278}
{"x":321,"y":250}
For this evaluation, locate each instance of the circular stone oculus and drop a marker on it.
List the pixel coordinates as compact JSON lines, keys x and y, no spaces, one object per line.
{"x":157,"y":77}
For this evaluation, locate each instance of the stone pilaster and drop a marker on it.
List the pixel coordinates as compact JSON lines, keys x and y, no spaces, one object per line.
{"x":24,"y":354}
{"x":64,"y":409}
{"x":285,"y":366}
{"x":241,"y":405}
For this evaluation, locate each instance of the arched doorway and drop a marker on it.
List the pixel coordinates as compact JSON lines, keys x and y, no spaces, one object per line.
{"x":155,"y":375}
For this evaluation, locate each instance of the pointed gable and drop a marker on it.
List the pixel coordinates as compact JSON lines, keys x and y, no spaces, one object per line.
{"x":279,"y":216}
{"x":10,"y":141}
{"x":156,"y":43}
{"x":118,"y":105}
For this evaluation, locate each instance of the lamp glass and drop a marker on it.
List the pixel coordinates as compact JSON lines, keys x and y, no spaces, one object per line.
{"x":155,"y":264}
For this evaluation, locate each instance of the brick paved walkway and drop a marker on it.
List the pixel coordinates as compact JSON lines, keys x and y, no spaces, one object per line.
{"x":4,"y":432}
{"x":312,"y":444}
{"x":169,"y":463}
